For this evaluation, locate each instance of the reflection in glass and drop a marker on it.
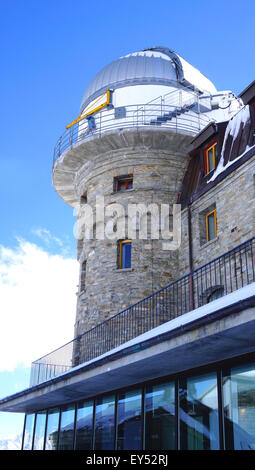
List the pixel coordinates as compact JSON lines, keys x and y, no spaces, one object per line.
{"x":199,"y":423}
{"x":66,"y":434}
{"x":84,"y":426}
{"x":52,"y":430}
{"x":239,"y":407}
{"x":129,"y":421}
{"x":28,"y":435}
{"x":160,"y":417}
{"x":39,"y":430}
{"x":104,"y":423}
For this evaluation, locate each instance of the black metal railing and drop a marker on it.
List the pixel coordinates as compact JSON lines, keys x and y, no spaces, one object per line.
{"x":223,"y":275}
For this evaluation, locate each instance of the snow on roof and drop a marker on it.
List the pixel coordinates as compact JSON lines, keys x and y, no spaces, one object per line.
{"x":232,"y":129}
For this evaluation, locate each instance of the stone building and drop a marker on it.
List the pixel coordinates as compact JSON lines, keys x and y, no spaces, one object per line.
{"x":160,"y":167}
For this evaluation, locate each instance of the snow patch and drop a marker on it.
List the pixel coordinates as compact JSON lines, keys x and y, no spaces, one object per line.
{"x":242,"y":117}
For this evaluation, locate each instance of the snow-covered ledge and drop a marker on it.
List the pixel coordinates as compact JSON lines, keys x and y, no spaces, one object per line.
{"x":197,"y":314}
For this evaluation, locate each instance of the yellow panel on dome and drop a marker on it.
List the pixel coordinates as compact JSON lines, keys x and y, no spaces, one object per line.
{"x":96,"y":105}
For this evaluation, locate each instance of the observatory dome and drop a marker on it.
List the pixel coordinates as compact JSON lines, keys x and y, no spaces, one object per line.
{"x":153,"y":66}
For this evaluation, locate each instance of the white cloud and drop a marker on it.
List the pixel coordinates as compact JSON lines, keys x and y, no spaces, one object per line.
{"x":37,"y":302}
{"x":46,"y":236}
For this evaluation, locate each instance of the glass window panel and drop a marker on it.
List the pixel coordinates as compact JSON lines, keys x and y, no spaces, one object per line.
{"x":211,"y":226}
{"x":160,"y":417}
{"x":39,"y":431}
{"x":52,"y":430}
{"x":28,"y":434}
{"x":84,"y":426}
{"x":126,"y":255}
{"x":199,"y":422}
{"x":105,"y":423}
{"x":239,"y":407}
{"x":211,"y":159}
{"x":129,"y":421}
{"x":66,"y":434}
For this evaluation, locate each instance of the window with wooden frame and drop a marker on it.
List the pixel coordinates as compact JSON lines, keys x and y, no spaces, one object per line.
{"x":210,"y":154}
{"x":211,"y":225}
{"x":123,"y":183}
{"x":124,"y":254}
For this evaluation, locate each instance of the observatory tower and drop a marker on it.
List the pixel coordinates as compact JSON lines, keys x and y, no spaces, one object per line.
{"x":129,"y":145}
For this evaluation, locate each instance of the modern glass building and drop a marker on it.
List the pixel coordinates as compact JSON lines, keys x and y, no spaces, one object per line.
{"x":163,"y":355}
{"x":208,"y":409}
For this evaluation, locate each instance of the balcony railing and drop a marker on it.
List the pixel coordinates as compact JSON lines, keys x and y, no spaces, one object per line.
{"x":185,"y":118}
{"x":223,"y":275}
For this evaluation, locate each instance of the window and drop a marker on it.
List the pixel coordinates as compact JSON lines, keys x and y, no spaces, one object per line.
{"x":28,"y":435}
{"x":105,"y":423}
{"x":199,"y":422}
{"x":66,"y":433}
{"x":211,"y":225}
{"x":124,"y":254}
{"x":84,"y":426}
{"x":83,"y":276}
{"x":39,"y":430}
{"x":210,"y":154}
{"x":129,"y":430}
{"x":160,"y":417}
{"x":216,"y":293}
{"x":123,"y":183}
{"x":51,"y":442}
{"x":239,"y":407}
{"x":84,"y":199}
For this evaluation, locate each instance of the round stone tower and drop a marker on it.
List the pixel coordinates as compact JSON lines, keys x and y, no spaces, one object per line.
{"x":118,"y":163}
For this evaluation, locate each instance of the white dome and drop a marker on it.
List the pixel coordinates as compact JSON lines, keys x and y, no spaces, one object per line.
{"x":156,"y":65}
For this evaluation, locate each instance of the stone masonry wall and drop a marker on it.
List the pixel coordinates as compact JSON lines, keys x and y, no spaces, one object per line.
{"x":234,"y":200}
{"x":157,"y":176}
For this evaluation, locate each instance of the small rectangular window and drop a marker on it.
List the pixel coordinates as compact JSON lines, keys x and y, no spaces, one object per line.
{"x":83,"y":199}
{"x":211,"y":225}
{"x":210,"y":154}
{"x":123,"y":183}
{"x":124,"y":258}
{"x":83,"y":276}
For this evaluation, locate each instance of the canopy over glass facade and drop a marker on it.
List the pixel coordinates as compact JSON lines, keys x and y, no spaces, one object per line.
{"x":196,"y":411}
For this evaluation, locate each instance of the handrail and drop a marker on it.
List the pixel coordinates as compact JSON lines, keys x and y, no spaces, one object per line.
{"x":223,"y":275}
{"x":181,"y":119}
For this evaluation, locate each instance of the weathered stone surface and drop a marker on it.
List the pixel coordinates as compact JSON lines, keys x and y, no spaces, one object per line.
{"x":157,"y":160}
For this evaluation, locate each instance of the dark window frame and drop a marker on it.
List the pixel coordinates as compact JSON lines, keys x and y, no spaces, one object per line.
{"x":124,"y":180}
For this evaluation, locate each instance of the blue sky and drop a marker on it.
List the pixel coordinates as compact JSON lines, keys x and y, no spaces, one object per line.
{"x":50,"y":50}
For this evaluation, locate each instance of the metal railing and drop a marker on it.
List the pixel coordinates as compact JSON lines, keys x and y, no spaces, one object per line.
{"x":185,"y":118}
{"x":223,"y":275}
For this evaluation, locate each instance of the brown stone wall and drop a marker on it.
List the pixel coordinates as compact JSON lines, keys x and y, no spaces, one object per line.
{"x":157,"y":176}
{"x":234,"y":200}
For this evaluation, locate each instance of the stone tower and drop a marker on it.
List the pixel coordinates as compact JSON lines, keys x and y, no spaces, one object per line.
{"x":128,"y":146}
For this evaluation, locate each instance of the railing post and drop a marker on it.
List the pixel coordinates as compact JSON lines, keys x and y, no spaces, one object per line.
{"x":191,"y":291}
{"x":59,"y":145}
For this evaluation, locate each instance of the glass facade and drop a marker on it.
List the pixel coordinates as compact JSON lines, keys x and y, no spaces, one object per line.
{"x":39,"y":431}
{"x":66,"y":432}
{"x":52,"y":429}
{"x":239,"y":407}
{"x":199,"y":419}
{"x":28,"y":432}
{"x":105,"y":423}
{"x":129,"y":427}
{"x":209,"y":411}
{"x":160,"y":417}
{"x":84,"y":426}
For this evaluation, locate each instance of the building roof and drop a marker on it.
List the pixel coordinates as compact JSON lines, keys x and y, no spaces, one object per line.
{"x":157,"y":65}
